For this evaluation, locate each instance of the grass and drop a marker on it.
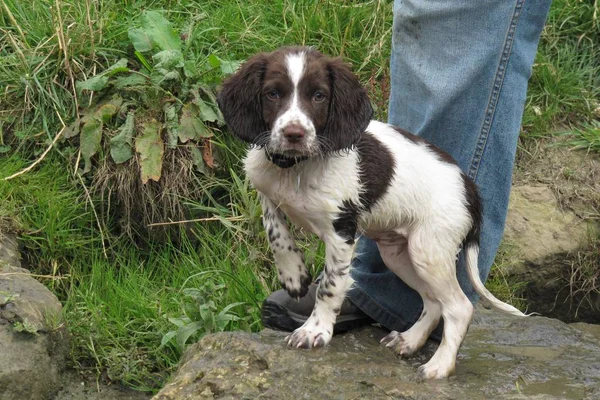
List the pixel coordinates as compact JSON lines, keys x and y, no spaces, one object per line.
{"x":564,"y":89}
{"x":123,"y":298}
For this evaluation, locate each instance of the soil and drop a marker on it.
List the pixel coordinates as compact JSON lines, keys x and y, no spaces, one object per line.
{"x":565,"y":286}
{"x":76,"y":388}
{"x":573,"y":175}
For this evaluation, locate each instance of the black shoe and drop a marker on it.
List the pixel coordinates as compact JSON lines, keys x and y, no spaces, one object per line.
{"x":284,"y":313}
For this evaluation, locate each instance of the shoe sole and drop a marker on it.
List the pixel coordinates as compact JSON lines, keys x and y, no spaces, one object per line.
{"x":277,"y":317}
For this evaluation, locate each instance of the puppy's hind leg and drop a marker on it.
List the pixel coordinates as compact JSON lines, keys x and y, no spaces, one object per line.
{"x":435,"y":264}
{"x":407,"y":343}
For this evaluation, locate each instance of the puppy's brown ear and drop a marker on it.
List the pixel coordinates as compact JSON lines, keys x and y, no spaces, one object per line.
{"x":350,"y":110}
{"x":240,"y":99}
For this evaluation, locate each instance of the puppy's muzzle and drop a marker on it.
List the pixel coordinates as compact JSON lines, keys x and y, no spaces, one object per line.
{"x":294,"y":133}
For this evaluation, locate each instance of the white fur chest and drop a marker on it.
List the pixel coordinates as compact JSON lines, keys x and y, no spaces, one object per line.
{"x":309,"y":193}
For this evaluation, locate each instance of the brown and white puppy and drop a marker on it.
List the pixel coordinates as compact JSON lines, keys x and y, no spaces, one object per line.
{"x":319,"y":159}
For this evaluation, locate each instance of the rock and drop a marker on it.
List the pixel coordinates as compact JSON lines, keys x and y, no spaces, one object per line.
{"x":503,"y":357}
{"x":30,"y":360}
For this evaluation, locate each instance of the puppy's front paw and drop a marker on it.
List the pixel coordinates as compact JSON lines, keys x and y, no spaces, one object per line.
{"x":296,"y":284}
{"x":310,"y":335}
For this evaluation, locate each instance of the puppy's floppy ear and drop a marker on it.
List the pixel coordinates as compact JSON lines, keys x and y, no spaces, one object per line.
{"x":350,"y":109}
{"x":240,"y":99}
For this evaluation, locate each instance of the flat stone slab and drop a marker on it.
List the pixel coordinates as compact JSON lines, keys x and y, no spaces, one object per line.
{"x":503,"y":357}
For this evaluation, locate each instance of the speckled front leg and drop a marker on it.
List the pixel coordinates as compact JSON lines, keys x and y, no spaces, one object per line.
{"x":293,"y":275}
{"x":318,"y":329}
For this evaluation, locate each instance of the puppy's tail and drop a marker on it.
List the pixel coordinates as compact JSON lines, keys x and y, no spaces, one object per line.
{"x":471,"y":256}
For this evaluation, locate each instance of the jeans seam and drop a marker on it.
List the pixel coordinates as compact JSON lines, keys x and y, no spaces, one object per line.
{"x":496,"y":89}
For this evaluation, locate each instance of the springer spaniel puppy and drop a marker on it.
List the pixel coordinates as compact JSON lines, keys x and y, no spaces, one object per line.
{"x":318,"y":159}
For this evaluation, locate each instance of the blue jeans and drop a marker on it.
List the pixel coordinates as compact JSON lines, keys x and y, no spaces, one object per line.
{"x":459,"y":72}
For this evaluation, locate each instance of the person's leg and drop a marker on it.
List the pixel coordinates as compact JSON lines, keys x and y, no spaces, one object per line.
{"x":459,"y":72}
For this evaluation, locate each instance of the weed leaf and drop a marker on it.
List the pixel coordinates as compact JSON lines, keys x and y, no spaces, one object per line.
{"x":73,"y":129}
{"x":106,"y":112}
{"x":91,"y":135}
{"x":160,"y":75}
{"x":167,"y":338}
{"x":151,"y":149}
{"x":168,"y":59}
{"x":100,"y":81}
{"x":160,"y":32}
{"x":229,"y":67}
{"x":121,"y":146}
{"x":184,"y":333}
{"x":140,"y":40}
{"x":95,"y":83}
{"x":129,"y":80}
{"x":190,"y":125}
{"x":118,"y":67}
{"x":206,"y":111}
{"x":189,"y":69}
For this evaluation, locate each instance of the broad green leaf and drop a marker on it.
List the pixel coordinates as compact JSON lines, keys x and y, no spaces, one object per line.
{"x":129,"y":80}
{"x":229,"y":67}
{"x":168,"y":59}
{"x":180,"y":322}
{"x":167,"y":338}
{"x":160,"y":75}
{"x":160,"y":32}
{"x":172,"y":125}
{"x":184,"y":333}
{"x":100,"y":81}
{"x":4,"y":148}
{"x":106,"y":112}
{"x":119,"y":66}
{"x":206,"y":111}
{"x":89,"y":141}
{"x":189,"y":69}
{"x":190,"y":125}
{"x":213,"y":101}
{"x":73,"y":129}
{"x":95,"y":83}
{"x":214,"y":61}
{"x":151,"y":149}
{"x":140,"y":40}
{"x":121,"y":146}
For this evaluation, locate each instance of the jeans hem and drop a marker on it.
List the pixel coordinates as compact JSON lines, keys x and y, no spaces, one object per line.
{"x":373,"y":309}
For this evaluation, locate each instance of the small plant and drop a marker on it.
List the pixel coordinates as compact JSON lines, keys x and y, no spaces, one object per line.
{"x":151,"y":125}
{"x":201,"y":315}
{"x":25,"y":326}
{"x":7,"y":297}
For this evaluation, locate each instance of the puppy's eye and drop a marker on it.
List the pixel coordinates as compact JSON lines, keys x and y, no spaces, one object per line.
{"x":273,"y":94}
{"x":318,"y":97}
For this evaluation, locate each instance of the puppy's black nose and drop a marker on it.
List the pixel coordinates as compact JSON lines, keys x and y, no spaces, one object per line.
{"x":293,"y":133}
